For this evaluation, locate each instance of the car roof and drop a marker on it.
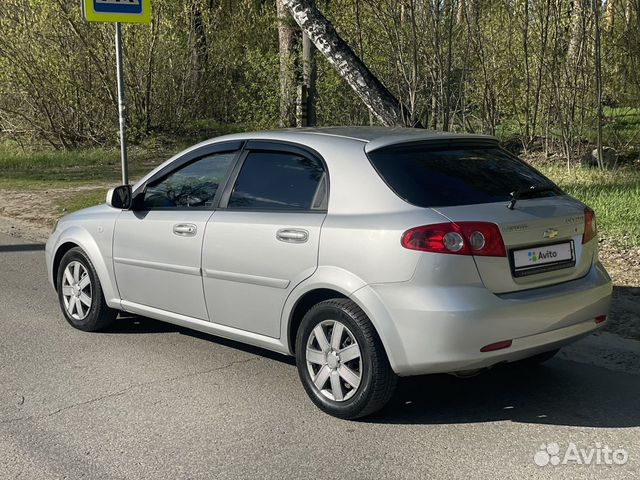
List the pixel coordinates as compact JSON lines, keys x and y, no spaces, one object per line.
{"x":373,"y":137}
{"x":368,"y":138}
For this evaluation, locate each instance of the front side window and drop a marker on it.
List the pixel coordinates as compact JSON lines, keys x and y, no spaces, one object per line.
{"x":279,"y":181}
{"x":192,"y":186}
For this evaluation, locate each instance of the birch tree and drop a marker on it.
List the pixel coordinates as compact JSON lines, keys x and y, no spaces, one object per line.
{"x":288,"y":74}
{"x":378,"y":99}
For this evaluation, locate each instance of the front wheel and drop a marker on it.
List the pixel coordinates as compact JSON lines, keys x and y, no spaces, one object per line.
{"x":341,"y":360}
{"x":80,"y":293}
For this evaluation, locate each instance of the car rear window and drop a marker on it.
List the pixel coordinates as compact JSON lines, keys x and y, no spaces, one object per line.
{"x":428,"y":176}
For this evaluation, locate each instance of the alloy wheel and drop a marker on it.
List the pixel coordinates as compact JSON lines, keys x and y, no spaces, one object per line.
{"x":334,"y":360}
{"x":76,"y":290}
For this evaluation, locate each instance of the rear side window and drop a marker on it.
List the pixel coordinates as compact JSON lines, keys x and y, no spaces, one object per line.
{"x":437,"y":177}
{"x":279,"y":181}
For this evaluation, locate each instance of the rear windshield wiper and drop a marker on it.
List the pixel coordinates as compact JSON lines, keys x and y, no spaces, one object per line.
{"x":515,"y":196}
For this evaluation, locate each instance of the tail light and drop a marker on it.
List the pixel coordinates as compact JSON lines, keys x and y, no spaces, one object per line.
{"x":492,"y":347}
{"x":460,"y":238}
{"x":601,"y":319}
{"x":590,"y":229}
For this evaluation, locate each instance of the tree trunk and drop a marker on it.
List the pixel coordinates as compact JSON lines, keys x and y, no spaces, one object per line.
{"x":309,"y":75}
{"x":288,"y":77}
{"x":462,"y":13}
{"x":610,"y":15}
{"x":150,"y":69}
{"x":527,"y":96}
{"x":576,"y":29}
{"x":371,"y":91}
{"x":598,"y":76}
{"x":449,"y":65}
{"x":199,"y":49}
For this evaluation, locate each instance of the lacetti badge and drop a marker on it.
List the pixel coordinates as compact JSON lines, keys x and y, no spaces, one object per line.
{"x":540,"y":255}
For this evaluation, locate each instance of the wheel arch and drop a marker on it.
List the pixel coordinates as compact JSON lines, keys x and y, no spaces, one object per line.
{"x":332,"y":282}
{"x":57,"y":258}
{"x":79,"y":237}
{"x":302,"y":306}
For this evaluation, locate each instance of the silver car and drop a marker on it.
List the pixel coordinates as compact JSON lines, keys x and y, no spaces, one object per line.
{"x":368,"y":253}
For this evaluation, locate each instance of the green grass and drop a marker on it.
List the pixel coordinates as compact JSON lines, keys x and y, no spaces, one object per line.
{"x":80,"y":200}
{"x":59,"y":168}
{"x":46,"y":168}
{"x":614,"y":195}
{"x":621,"y":126}
{"x":620,"y":130}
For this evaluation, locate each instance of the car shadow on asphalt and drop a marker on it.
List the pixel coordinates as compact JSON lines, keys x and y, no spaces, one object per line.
{"x":559,"y":392}
{"x":134,"y":324}
{"x":22,"y":247}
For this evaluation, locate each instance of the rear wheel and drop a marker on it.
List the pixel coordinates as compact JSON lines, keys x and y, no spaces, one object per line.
{"x":341,"y":360}
{"x":80,"y":293}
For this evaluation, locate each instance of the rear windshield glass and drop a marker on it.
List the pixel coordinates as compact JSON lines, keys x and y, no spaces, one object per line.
{"x":437,"y":177}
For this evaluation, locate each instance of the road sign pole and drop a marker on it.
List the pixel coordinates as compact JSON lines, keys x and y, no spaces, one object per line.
{"x":117,"y":11}
{"x":121,"y":106}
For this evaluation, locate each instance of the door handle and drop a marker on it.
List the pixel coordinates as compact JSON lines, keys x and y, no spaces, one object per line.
{"x":291,"y":235}
{"x":185,"y":229}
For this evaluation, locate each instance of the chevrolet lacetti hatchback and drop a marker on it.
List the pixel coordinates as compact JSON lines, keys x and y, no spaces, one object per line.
{"x":368,"y":253}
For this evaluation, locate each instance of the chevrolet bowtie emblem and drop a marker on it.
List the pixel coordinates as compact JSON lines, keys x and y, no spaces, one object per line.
{"x":550,"y":233}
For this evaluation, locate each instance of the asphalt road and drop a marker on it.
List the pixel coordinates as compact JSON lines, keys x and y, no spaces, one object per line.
{"x":150,"y":400}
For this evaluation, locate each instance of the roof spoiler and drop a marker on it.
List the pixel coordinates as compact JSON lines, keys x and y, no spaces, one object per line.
{"x":440,"y":140}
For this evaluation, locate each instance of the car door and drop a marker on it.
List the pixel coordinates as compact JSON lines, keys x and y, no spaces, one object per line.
{"x":157,"y":246}
{"x":263,"y":240}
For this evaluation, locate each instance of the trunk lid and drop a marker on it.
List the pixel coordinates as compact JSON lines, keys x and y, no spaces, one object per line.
{"x":542,"y":237}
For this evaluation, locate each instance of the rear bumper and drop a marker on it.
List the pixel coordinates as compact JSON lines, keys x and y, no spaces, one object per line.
{"x":433,"y":330}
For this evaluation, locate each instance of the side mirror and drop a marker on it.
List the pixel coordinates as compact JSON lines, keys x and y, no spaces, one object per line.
{"x":120,"y":197}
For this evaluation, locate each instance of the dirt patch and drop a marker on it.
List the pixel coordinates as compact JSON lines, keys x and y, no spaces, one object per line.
{"x":623,"y":264}
{"x":23,"y":229}
{"x":39,"y":207}
{"x":30,"y":214}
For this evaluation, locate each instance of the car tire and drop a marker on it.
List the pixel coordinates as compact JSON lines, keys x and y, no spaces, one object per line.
{"x":539,"y":358}
{"x":350,"y":362}
{"x":80,"y":293}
